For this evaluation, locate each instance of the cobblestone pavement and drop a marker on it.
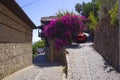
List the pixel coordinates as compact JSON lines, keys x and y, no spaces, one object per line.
{"x":40,"y":70}
{"x":84,"y":63}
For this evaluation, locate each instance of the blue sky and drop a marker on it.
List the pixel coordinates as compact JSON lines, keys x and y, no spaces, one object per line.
{"x":35,"y":9}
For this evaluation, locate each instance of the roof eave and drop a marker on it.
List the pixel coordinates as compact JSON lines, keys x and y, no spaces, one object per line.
{"x":16,"y":9}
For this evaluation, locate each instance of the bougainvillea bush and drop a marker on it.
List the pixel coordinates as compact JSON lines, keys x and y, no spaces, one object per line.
{"x":61,"y":29}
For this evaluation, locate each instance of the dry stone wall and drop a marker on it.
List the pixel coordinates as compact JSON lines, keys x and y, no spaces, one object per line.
{"x":15,"y":43}
{"x":107,"y":41}
{"x":119,"y":34}
{"x":13,"y":57}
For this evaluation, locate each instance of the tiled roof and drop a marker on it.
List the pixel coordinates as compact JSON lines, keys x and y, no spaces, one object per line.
{"x":48,"y":18}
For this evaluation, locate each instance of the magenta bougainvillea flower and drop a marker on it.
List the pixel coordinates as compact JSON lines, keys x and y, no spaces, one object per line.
{"x":61,"y":29}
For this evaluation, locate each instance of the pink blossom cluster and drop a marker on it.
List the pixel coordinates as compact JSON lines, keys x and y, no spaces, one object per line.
{"x":61,"y":29}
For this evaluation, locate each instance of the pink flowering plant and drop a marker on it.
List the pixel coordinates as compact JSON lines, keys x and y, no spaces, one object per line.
{"x":61,"y":29}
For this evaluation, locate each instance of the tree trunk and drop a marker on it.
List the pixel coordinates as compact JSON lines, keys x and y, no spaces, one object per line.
{"x":54,"y":54}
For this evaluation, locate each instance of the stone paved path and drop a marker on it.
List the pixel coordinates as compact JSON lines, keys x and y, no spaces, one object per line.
{"x":84,"y":63}
{"x":40,"y":70}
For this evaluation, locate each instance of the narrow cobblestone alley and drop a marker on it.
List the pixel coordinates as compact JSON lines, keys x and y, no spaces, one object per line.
{"x":84,"y":63}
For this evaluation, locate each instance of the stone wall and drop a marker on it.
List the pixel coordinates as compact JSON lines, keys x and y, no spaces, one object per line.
{"x":107,"y":41}
{"x":119,"y":34}
{"x":15,"y":42}
{"x":13,"y":57}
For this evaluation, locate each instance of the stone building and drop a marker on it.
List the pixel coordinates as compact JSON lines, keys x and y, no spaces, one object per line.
{"x":15,"y":38}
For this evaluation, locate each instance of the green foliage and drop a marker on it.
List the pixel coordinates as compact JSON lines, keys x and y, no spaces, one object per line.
{"x":90,"y":10}
{"x":78,"y":7}
{"x":60,"y":14}
{"x":114,"y":14}
{"x":109,"y":7}
{"x":90,"y":7}
{"x":93,"y":22}
{"x":86,"y":8}
{"x":102,"y":3}
{"x":107,"y":4}
{"x":39,"y":44}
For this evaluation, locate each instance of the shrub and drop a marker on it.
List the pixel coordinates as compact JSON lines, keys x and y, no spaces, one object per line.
{"x":93,"y":22}
{"x":39,"y":44}
{"x":60,"y":14}
{"x":62,"y":28}
{"x":114,"y":14}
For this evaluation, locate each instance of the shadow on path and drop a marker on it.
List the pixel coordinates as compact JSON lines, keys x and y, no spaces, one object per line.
{"x":73,"y":45}
{"x":41,"y":61}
